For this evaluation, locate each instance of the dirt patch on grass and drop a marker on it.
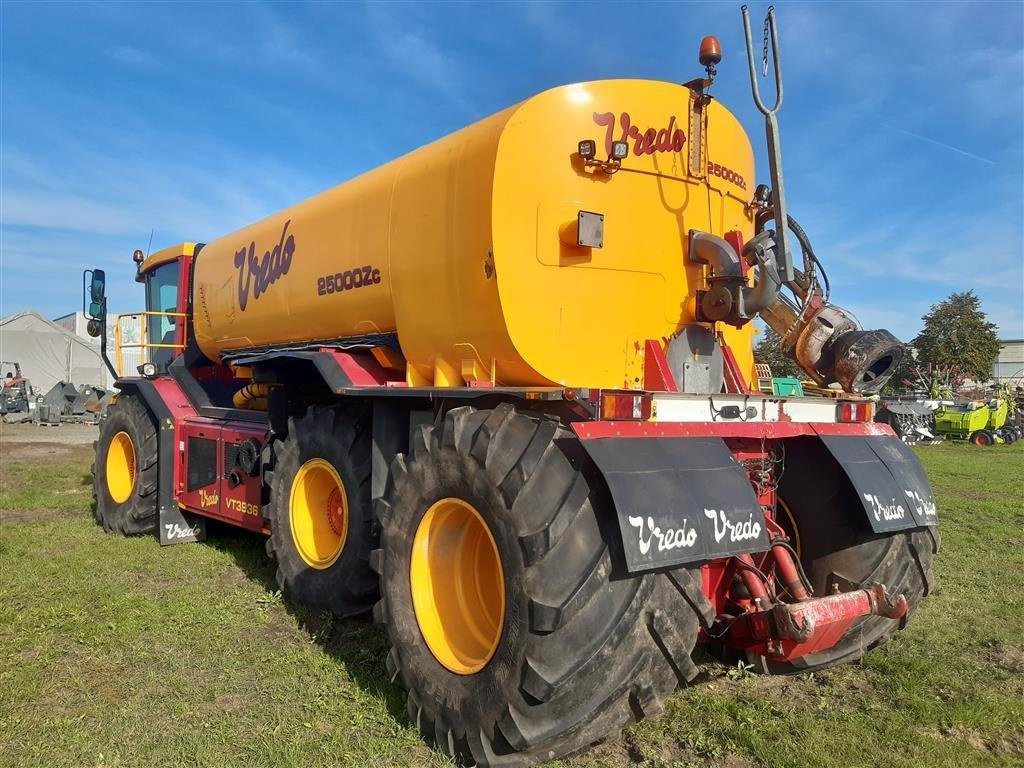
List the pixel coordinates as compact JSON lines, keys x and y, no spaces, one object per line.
{"x":36,"y":515}
{"x":65,"y":434}
{"x":979,"y":494}
{"x":1007,"y":657}
{"x":787,"y":688}
{"x":1009,"y":743}
{"x":277,"y":629}
{"x":632,"y":751}
{"x":232,"y":702}
{"x":20,"y":453}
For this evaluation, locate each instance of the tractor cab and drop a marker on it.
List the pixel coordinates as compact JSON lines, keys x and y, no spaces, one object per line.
{"x":158,"y":334}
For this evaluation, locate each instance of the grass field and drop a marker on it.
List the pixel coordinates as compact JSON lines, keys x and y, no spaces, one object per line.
{"x":114,"y":652}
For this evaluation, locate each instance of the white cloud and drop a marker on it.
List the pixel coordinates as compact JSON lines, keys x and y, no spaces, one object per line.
{"x":132,"y":57}
{"x":418,"y":58}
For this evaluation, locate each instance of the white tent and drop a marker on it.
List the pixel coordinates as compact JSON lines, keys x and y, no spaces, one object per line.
{"x":48,"y":353}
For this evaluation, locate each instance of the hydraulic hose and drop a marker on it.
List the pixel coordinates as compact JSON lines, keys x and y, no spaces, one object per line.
{"x":252,"y":397}
{"x":810,"y":258}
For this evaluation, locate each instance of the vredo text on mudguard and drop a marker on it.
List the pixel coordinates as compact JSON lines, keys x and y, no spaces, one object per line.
{"x":678,"y":499}
{"x":687,"y":500}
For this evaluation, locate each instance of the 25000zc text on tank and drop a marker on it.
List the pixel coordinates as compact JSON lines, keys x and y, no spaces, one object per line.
{"x":501,"y":392}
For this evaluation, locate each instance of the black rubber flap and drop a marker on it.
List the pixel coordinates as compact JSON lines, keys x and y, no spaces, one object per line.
{"x":178,"y":527}
{"x":889,"y":481}
{"x":679,"y":500}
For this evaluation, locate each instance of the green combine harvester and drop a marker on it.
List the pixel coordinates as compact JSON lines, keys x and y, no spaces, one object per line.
{"x":979,"y":422}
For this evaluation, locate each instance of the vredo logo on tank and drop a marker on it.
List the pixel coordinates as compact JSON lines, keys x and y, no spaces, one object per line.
{"x":259,"y":273}
{"x":645,"y":141}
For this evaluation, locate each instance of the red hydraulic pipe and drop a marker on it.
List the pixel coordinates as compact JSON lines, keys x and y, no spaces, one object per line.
{"x":788,"y":572}
{"x":751,"y":580}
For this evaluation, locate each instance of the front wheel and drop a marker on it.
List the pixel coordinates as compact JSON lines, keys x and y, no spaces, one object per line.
{"x":320,"y":515}
{"x":514,"y":639}
{"x":125,"y":473}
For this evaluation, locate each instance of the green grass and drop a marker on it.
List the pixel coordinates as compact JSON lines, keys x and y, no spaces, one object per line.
{"x":116,"y":652}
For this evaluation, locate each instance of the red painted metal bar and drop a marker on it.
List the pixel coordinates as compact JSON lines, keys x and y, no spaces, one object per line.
{"x":735,"y":381}
{"x":657,"y":375}
{"x":792,"y":630}
{"x":362,"y":368}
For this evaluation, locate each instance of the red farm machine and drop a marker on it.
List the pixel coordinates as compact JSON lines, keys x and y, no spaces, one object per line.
{"x":501,"y":392}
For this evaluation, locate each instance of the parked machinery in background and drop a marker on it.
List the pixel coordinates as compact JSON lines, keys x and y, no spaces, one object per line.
{"x":912,"y":420}
{"x":16,"y":393}
{"x":978,"y":421}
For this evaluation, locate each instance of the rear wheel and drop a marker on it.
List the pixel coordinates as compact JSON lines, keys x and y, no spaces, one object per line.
{"x":838,"y":550}
{"x":320,"y":515}
{"x":125,"y":472}
{"x":510,"y":632}
{"x":983,"y":437}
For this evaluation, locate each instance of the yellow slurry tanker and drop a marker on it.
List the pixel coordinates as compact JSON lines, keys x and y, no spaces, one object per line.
{"x":501,"y":391}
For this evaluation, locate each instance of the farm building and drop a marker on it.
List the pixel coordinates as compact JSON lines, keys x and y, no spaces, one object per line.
{"x":48,"y":353}
{"x":1009,"y":366}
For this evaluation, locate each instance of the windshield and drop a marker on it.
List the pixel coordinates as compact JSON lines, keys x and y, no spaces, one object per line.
{"x":162,"y":296}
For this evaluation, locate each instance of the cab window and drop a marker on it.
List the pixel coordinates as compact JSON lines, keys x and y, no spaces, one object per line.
{"x":162,"y":297}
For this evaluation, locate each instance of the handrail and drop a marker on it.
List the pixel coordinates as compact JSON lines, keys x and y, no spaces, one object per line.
{"x":144,"y":345}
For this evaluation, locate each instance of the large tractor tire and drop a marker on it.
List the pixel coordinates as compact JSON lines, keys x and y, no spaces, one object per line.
{"x":510,"y":627}
{"x":838,"y":549}
{"x":125,"y":473}
{"x":320,"y":514}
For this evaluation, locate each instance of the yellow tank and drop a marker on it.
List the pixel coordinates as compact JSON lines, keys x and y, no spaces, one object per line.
{"x":465,"y":248}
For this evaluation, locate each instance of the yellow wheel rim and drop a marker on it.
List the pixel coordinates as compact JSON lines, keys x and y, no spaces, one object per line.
{"x":120,"y":468}
{"x":458,"y":587}
{"x":318,"y":512}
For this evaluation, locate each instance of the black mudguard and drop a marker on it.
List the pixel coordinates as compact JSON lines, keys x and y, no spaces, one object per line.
{"x":678,"y":500}
{"x":687,"y":500}
{"x":888,"y":479}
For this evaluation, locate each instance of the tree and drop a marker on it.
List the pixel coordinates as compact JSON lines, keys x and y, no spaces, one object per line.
{"x":905,"y":380}
{"x":957,"y":335}
{"x":767,"y":351}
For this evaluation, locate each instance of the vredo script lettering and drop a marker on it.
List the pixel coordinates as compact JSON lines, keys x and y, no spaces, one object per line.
{"x":883,"y":511}
{"x":741,"y":531}
{"x":261,"y":273}
{"x":175,"y":531}
{"x":673,"y":538}
{"x":924,"y":506}
{"x":645,"y":142}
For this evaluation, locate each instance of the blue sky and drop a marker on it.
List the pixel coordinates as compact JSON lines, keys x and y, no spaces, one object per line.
{"x":902,"y":126}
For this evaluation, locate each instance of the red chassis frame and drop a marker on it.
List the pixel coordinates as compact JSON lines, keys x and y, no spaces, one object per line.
{"x":760,"y":600}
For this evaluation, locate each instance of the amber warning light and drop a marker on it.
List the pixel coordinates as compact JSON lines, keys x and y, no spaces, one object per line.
{"x":710,"y":55}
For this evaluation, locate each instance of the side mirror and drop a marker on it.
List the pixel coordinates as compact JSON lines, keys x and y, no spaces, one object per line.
{"x":94,"y":287}
{"x":98,"y":286}
{"x":93,"y":328}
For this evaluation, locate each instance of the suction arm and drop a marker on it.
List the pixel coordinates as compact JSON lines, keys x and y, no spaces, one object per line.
{"x":771,"y":127}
